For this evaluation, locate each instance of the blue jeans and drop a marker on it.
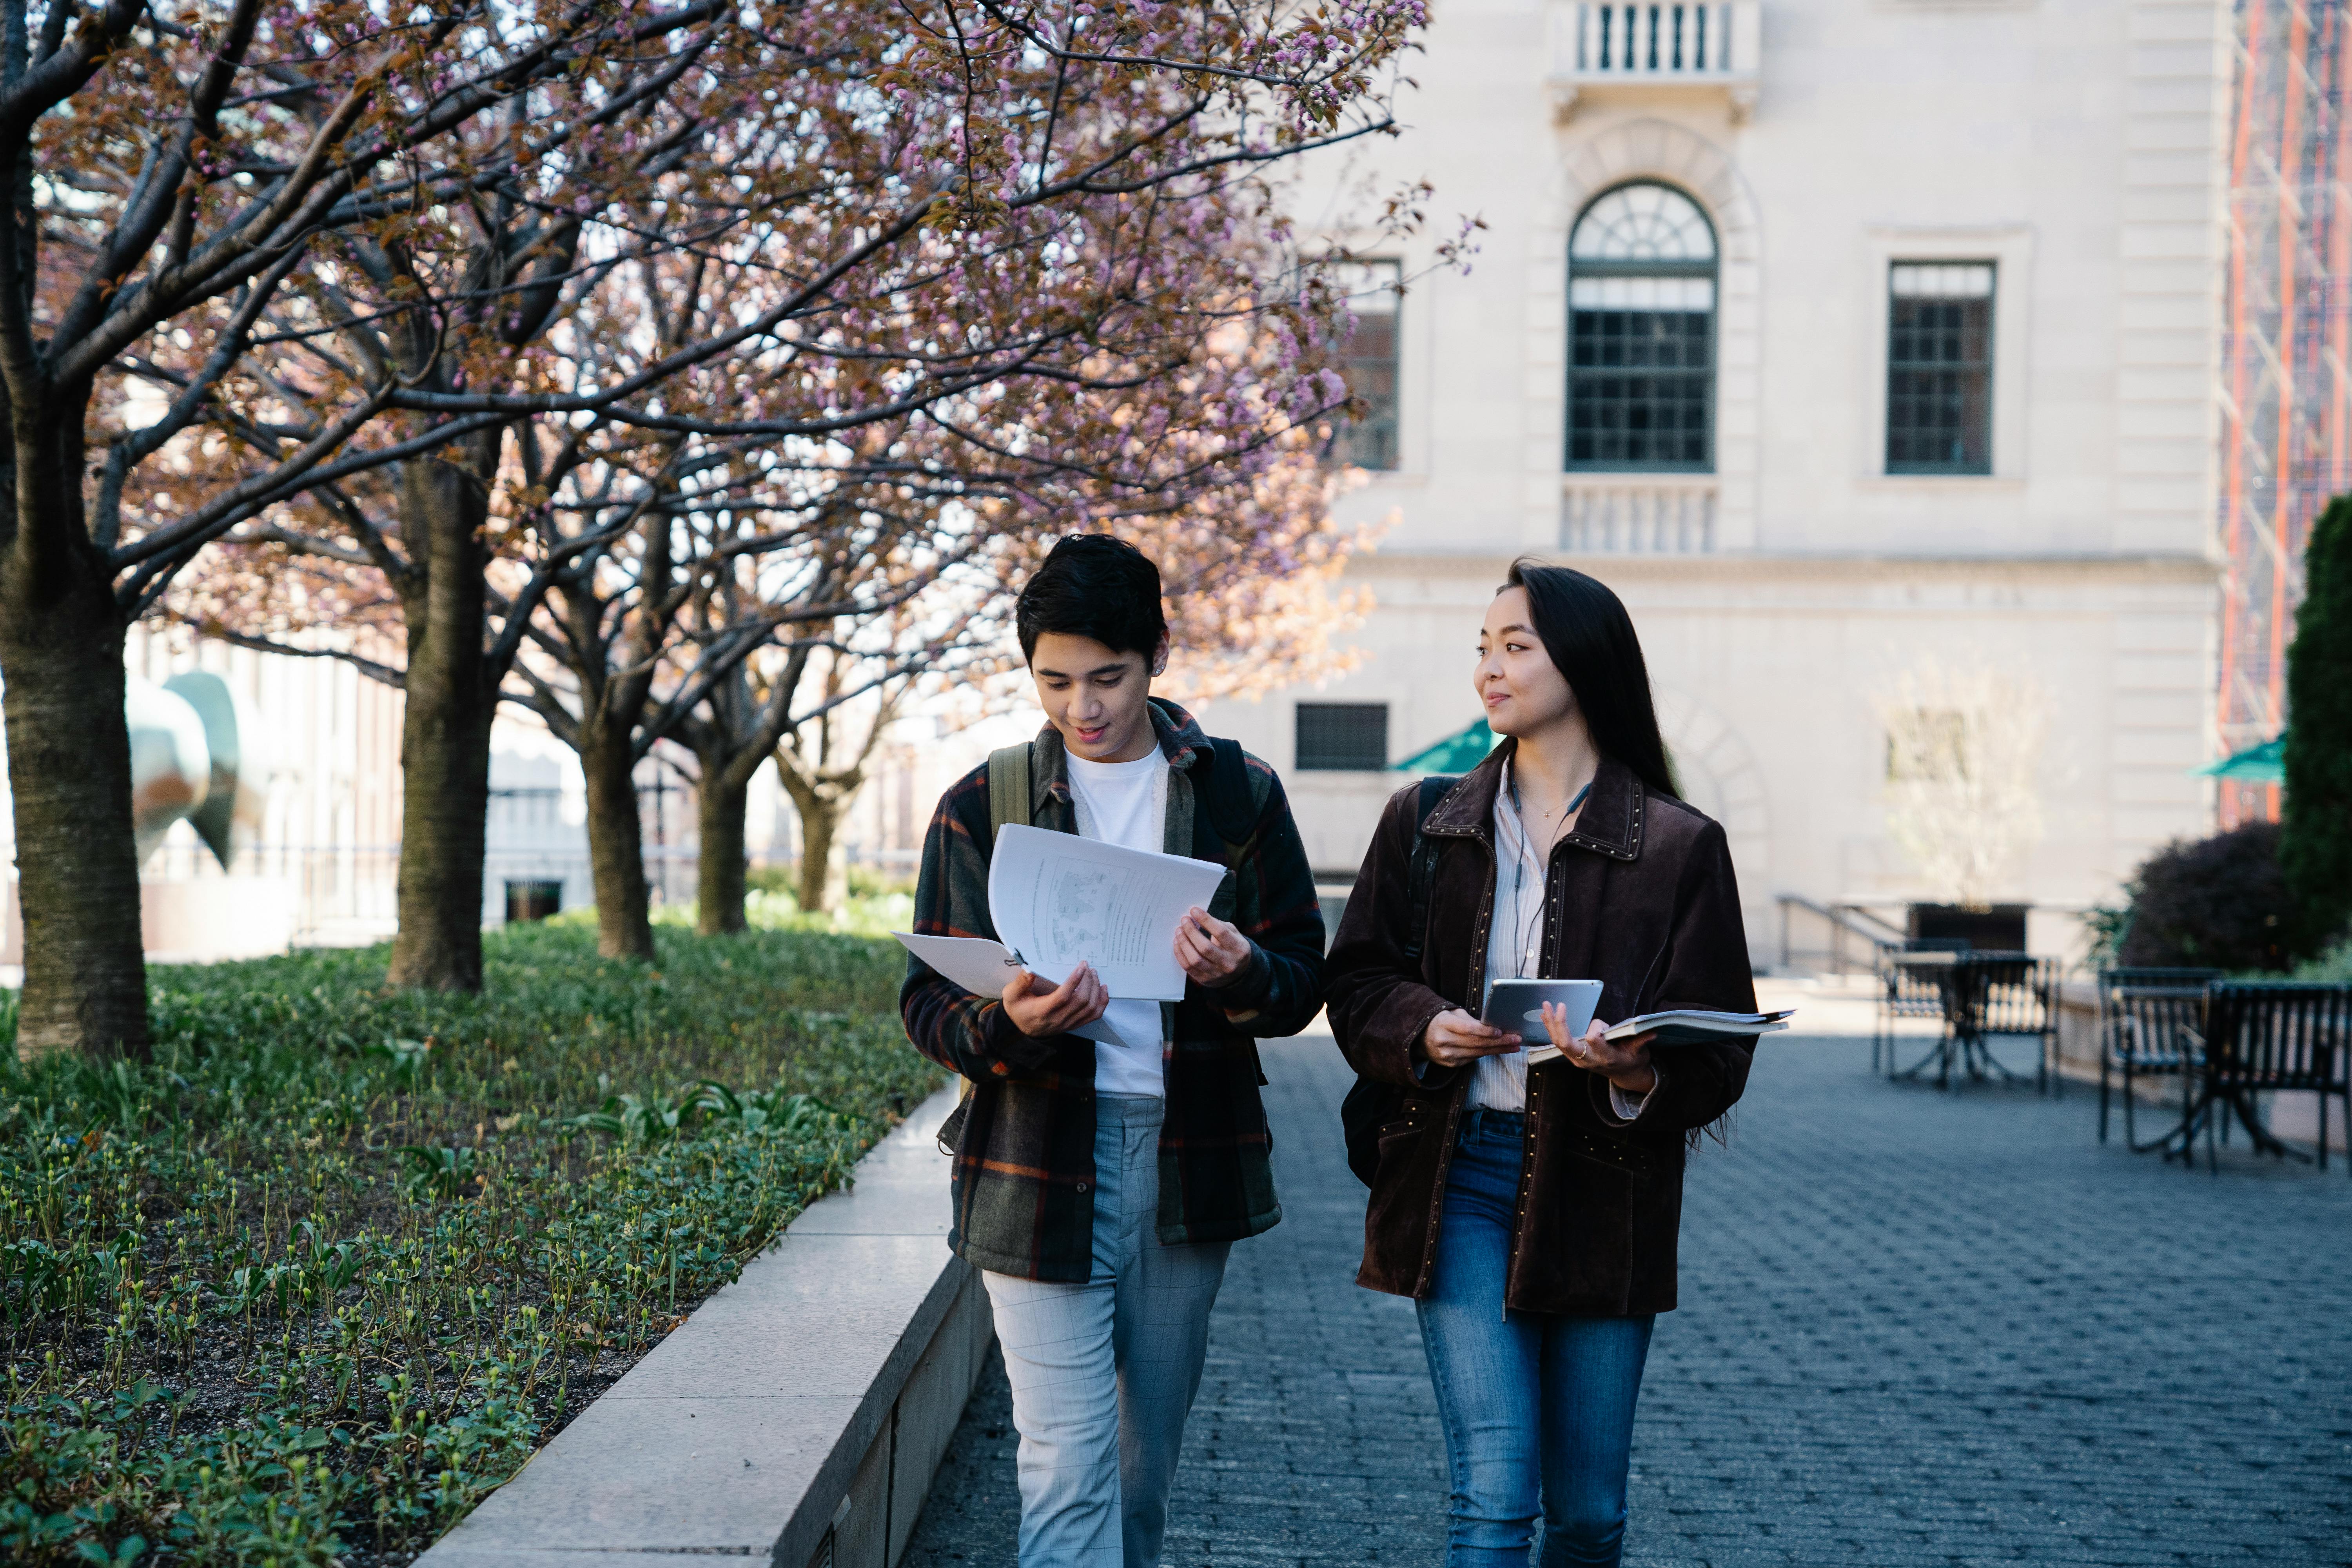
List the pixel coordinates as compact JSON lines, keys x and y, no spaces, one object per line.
{"x":1104,"y":1373}
{"x":1536,"y":1408}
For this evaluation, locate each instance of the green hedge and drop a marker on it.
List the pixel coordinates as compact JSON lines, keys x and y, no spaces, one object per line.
{"x":330,"y":1269}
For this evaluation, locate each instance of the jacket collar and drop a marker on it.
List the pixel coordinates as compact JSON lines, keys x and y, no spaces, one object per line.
{"x":1610,"y":824}
{"x":1180,"y":737}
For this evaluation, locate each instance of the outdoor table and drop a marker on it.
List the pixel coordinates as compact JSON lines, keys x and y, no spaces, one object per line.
{"x":1982,"y":994}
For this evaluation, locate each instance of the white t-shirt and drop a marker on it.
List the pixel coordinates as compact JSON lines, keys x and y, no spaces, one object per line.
{"x":1126,"y":804}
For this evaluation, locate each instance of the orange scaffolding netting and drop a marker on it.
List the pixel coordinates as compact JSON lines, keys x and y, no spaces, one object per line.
{"x":2286,"y":396}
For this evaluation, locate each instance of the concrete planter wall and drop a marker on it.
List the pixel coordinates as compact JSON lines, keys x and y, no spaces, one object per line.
{"x":797,"y":1418}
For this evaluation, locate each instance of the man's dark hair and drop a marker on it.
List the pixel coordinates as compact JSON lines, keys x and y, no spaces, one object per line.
{"x":1093,"y":585}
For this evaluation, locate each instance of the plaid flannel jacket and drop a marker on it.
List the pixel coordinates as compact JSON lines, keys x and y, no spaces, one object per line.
{"x":1024,"y":1171}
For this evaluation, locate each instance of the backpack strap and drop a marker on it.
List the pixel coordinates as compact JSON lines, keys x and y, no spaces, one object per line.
{"x":1008,"y":788}
{"x":1008,"y":801}
{"x":1372,"y":1102}
{"x":1420,"y":877}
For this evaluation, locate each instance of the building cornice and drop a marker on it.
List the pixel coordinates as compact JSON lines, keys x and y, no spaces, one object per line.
{"x":2171,"y":569}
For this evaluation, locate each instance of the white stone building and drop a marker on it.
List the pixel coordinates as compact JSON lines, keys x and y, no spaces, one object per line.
{"x":1922,"y":297}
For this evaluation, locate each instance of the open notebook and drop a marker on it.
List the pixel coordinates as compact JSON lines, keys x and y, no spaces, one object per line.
{"x":1686,"y":1027}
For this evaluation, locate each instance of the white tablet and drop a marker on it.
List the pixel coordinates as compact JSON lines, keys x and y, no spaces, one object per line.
{"x":1517,"y":1006}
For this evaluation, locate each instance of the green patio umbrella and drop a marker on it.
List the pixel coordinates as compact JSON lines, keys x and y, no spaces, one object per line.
{"x":1457,"y":754}
{"x":2266,"y":763}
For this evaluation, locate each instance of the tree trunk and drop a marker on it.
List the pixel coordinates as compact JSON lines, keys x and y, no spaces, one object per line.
{"x":616,"y":856}
{"x":824,"y":876}
{"x":450,"y":697}
{"x":721,"y":802}
{"x":69,"y":769}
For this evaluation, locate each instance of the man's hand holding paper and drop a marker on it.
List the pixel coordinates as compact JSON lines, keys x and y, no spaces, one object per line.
{"x":1038,"y":1007}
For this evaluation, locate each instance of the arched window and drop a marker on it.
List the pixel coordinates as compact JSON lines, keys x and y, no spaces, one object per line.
{"x":1641,"y":360}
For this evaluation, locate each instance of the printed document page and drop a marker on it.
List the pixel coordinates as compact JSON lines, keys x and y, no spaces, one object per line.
{"x":982,"y":967}
{"x":1059,"y":901}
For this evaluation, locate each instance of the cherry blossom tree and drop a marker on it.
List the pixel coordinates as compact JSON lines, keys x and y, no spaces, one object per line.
{"x":882,"y":573}
{"x":183,"y":175}
{"x":296,"y":272}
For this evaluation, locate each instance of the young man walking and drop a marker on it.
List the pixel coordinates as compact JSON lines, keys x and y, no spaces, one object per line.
{"x":1098,"y":1186}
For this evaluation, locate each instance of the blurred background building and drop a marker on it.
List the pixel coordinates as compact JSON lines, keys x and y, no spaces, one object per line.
{"x":1871,"y":351}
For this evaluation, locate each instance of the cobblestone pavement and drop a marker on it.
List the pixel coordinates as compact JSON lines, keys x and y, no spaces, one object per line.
{"x":1916,"y":1329}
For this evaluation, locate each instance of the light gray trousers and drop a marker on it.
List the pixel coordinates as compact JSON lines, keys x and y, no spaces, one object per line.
{"x":1103,"y":1373}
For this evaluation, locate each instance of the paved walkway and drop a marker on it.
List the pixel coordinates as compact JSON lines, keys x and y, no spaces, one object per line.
{"x":1916,"y":1329}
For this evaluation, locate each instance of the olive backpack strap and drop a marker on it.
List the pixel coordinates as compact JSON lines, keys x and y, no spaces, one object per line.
{"x":1373,"y":1102}
{"x":1008,"y":788}
{"x":1008,"y":801}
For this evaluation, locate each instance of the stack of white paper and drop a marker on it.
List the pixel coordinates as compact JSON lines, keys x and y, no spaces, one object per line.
{"x":1058,"y":900}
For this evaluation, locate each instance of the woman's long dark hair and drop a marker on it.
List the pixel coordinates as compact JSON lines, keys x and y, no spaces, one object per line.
{"x":1590,"y":638}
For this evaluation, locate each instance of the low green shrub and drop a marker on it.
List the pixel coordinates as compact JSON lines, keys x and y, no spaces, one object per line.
{"x":326,"y":1271}
{"x":2216,"y":903}
{"x":876,"y":912}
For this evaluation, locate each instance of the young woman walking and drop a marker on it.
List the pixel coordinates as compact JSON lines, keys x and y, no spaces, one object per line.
{"x":1531,"y":1212}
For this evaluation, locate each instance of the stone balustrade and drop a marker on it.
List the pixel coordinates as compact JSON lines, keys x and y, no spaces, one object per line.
{"x":1637,"y":514}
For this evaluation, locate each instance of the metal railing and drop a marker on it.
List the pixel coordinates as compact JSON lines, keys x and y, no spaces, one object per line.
{"x":1657,"y":40}
{"x":1646,"y":44}
{"x":1844,"y":921}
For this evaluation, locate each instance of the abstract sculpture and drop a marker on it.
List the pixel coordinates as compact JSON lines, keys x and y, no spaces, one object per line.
{"x":195,"y":753}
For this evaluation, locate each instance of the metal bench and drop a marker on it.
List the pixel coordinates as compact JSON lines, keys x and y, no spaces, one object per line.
{"x":2266,"y":1038}
{"x":1908,"y":991}
{"x":2150,"y":1025}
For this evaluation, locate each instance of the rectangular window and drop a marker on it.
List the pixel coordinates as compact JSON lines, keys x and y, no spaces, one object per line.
{"x":1342,"y":736}
{"x":1369,"y":366}
{"x":1940,"y":367}
{"x":1641,"y":377}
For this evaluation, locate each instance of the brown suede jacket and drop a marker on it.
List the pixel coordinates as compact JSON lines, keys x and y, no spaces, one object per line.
{"x":1640,"y":897}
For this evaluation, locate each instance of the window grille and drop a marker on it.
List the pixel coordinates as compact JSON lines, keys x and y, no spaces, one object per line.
{"x":1940,"y":367}
{"x":1641,"y":296}
{"x":1342,"y":736}
{"x":1369,"y":367}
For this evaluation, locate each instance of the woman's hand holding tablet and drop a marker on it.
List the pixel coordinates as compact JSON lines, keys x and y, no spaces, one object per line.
{"x":1454,"y":1039}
